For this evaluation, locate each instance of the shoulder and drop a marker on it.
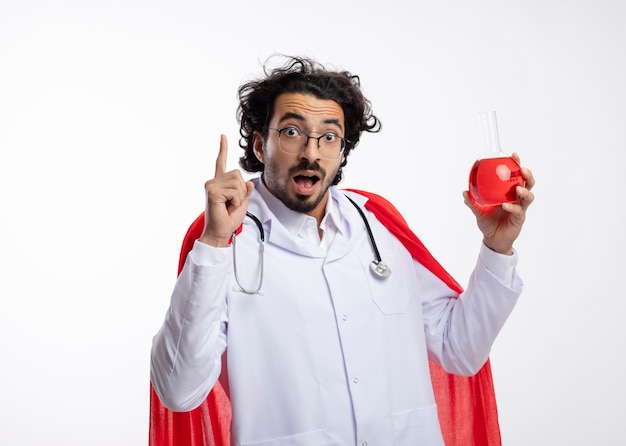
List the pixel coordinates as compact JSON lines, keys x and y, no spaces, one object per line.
{"x":377,"y":204}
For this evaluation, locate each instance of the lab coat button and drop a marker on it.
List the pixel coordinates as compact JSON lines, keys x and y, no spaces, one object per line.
{"x":355,"y":380}
{"x":344,"y":317}
{"x":364,"y":443}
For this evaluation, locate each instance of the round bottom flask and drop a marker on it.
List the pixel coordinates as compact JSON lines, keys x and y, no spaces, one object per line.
{"x":495,"y":175}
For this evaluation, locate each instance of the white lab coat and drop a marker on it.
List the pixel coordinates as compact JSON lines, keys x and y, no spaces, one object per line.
{"x":328,"y":354}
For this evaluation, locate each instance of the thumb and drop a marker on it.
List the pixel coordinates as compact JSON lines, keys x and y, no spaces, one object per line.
{"x":249,"y":188}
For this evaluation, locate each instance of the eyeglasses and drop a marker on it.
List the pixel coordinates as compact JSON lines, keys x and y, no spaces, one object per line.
{"x":293,"y":140}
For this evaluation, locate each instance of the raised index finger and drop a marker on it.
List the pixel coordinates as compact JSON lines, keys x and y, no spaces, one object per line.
{"x":222,"y":156}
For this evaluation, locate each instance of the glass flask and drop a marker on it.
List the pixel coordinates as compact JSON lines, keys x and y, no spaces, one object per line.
{"x":495,"y":175}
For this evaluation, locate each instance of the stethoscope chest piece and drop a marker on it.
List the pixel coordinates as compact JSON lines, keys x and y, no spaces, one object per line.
{"x":380,"y":269}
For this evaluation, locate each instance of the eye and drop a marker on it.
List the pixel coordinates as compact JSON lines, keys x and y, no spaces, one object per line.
{"x":330,"y":137}
{"x":291,"y":132}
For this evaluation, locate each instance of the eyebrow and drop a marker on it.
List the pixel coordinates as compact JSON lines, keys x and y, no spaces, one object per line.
{"x":299,"y":117}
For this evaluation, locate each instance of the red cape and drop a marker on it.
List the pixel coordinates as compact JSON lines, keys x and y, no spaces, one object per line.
{"x":467,"y":405}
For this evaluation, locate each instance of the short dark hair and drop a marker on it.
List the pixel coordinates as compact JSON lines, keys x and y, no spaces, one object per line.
{"x":302,"y":75}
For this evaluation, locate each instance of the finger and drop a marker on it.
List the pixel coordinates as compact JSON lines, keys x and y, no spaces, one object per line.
{"x":228,"y":187}
{"x":525,"y":196}
{"x":526,"y":173}
{"x":243,"y":194}
{"x":249,"y":188}
{"x":236,"y":193}
{"x":470,"y":204}
{"x":528,"y":178}
{"x":515,"y":209}
{"x":467,"y":199}
{"x":222,"y":157}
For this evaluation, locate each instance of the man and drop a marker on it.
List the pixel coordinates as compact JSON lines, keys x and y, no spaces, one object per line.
{"x":313,"y":344}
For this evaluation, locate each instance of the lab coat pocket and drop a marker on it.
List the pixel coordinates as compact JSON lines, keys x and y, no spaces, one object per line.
{"x":417,"y":426}
{"x":312,"y":438}
{"x":390,"y":294}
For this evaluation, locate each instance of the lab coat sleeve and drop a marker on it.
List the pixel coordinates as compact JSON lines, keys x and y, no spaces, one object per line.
{"x":460,"y":331}
{"x":187,"y":350}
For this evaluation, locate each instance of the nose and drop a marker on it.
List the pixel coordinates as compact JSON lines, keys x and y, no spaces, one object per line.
{"x":311,"y":151}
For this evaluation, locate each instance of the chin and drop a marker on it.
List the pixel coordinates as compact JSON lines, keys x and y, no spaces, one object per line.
{"x":303,"y":203}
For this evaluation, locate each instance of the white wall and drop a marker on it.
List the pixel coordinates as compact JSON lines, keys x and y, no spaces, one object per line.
{"x":110,"y":115}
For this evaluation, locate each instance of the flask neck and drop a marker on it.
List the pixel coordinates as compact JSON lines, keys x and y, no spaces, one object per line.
{"x":490,"y":136}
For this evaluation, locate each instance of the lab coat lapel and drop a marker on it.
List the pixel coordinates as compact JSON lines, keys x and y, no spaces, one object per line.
{"x":277,"y":234}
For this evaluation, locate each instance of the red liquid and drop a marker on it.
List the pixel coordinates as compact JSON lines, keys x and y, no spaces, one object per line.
{"x":493,"y":181}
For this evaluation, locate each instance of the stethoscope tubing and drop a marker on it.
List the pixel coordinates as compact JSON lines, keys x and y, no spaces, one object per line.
{"x":259,"y":226}
{"x":377,"y":266}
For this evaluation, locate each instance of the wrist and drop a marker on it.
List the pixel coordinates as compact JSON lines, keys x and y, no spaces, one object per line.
{"x":216,"y":242}
{"x":506,"y":249}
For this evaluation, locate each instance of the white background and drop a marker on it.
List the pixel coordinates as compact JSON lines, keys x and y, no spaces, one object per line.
{"x":110,"y":115}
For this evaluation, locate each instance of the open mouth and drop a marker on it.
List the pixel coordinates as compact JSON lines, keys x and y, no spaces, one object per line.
{"x":305,"y":183}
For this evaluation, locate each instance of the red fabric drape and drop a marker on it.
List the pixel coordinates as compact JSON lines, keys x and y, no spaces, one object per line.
{"x":467,"y":406}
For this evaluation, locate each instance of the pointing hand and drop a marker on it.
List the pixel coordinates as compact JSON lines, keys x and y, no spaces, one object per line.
{"x":226,"y":201}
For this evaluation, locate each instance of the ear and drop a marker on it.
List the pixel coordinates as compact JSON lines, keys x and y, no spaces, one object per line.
{"x":257,"y":146}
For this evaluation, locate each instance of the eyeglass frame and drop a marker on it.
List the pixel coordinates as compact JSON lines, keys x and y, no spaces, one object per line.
{"x":344,"y":141}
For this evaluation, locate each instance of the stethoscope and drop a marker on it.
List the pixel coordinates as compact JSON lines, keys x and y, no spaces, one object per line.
{"x":379,"y":269}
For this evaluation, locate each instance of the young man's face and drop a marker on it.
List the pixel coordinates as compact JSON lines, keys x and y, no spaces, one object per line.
{"x":301,"y":180}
